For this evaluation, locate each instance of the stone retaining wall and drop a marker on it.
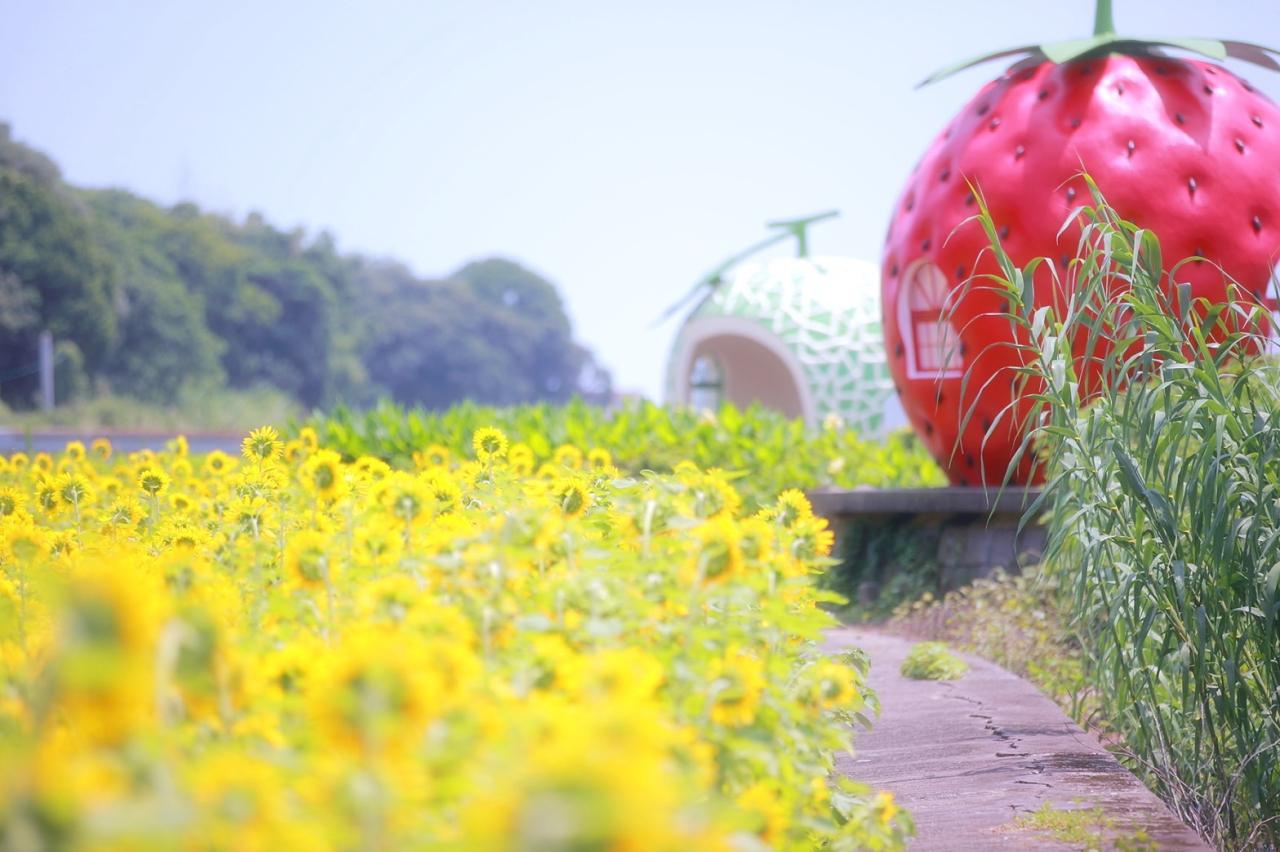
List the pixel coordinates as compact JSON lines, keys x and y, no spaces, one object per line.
{"x":973,"y":531}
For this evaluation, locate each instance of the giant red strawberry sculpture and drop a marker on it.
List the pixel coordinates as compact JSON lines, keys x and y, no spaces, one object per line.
{"x":1180,"y":146}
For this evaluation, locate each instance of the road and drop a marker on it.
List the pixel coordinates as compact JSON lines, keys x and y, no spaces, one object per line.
{"x":54,"y":440}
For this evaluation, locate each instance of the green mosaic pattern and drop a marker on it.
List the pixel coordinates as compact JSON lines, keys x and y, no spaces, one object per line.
{"x":827,"y":312}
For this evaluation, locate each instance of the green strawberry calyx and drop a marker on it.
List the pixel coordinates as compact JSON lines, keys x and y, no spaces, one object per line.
{"x":1105,"y":40}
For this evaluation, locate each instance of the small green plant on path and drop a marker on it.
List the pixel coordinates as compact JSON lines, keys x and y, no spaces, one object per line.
{"x":1086,"y":829}
{"x":933,"y":661}
{"x":1018,"y":621}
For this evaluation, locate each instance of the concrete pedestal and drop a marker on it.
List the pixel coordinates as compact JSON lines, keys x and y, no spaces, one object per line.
{"x":974,"y":531}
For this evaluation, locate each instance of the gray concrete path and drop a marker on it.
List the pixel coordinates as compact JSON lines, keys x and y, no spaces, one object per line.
{"x":970,"y":756}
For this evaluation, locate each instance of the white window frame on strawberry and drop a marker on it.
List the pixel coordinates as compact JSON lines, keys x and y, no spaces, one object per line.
{"x":1272,"y":305}
{"x":932,"y":340}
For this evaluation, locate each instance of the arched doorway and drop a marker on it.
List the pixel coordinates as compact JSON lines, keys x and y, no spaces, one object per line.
{"x":739,"y":370}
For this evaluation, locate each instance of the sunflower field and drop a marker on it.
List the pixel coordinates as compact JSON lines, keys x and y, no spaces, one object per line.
{"x":289,"y":650}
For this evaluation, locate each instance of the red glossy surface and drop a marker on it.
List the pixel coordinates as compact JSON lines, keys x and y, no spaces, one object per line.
{"x":1184,"y":148}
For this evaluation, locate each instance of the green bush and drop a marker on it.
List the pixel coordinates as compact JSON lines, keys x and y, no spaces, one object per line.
{"x":884,"y":563}
{"x":768,"y":451}
{"x":933,"y":661}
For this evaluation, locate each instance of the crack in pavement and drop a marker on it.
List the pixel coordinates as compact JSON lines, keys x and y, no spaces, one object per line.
{"x":984,"y":749}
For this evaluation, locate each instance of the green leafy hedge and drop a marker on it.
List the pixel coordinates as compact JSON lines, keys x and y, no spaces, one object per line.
{"x":771,"y":452}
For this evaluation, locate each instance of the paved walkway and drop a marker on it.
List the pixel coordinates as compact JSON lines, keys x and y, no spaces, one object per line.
{"x":968,"y":757}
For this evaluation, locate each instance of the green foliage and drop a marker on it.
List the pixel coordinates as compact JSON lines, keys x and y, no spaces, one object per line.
{"x":159,"y":300}
{"x":770,"y":452}
{"x":495,"y":333}
{"x":52,"y":275}
{"x":883,"y":564}
{"x":933,"y":661}
{"x":71,"y":380}
{"x":1165,"y":525}
{"x":166,"y":341}
{"x":25,"y":161}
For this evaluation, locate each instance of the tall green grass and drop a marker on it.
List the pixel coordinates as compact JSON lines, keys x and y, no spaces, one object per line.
{"x":1160,"y":448}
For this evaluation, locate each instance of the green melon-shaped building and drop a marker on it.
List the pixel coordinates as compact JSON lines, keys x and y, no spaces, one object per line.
{"x":798,"y":335}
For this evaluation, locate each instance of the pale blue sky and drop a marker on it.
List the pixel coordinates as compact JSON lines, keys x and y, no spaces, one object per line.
{"x":621,"y":150}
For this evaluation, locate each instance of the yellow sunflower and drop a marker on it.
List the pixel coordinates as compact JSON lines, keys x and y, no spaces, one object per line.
{"x":736,"y":684}
{"x":322,"y":475}
{"x":262,"y":445}
{"x":306,"y":560}
{"x":571,"y":495}
{"x":489,"y":443}
{"x":153,"y":481}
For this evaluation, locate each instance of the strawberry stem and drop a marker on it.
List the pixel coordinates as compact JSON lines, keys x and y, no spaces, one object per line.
{"x":1104,"y":41}
{"x":797,"y":228}
{"x":1103,"y":24}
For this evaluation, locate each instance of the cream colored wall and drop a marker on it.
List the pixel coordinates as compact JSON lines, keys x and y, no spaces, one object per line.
{"x":752,"y":374}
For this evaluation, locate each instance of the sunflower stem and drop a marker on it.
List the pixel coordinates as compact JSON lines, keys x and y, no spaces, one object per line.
{"x":328,"y":608}
{"x":1103,"y":23}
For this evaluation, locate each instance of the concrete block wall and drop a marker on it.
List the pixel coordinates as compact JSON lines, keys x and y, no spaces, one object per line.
{"x":972,"y":531}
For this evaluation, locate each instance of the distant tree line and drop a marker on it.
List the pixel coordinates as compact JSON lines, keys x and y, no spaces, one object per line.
{"x":146,"y":301}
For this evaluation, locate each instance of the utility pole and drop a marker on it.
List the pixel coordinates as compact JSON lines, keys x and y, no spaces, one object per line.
{"x":46,"y":370}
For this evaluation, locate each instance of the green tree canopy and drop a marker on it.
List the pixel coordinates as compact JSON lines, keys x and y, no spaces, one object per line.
{"x":52,"y":273}
{"x":149,"y":301}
